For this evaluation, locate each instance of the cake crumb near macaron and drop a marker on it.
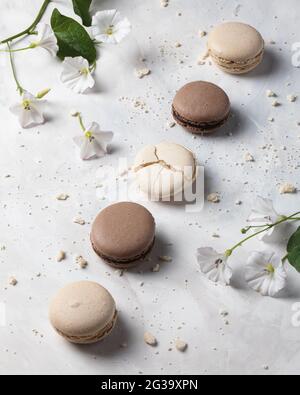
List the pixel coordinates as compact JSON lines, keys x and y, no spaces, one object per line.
{"x":62,"y":197}
{"x":79,"y":221}
{"x":181,"y":345}
{"x":81,"y":262}
{"x":214,"y":197}
{"x":141,"y":73}
{"x":287,"y":188}
{"x":12,"y":281}
{"x":150,"y":339}
{"x":61,"y":256}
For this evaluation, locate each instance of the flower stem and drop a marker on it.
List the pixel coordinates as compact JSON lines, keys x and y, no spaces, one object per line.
{"x":31,"y":28}
{"x":230,"y":251}
{"x":19,"y":87}
{"x":81,"y":123}
{"x":16,"y":50}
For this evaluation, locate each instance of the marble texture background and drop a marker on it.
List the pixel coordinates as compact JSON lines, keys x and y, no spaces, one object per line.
{"x":177,"y":301}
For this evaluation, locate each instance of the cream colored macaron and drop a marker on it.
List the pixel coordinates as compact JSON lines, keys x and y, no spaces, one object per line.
{"x":165,"y":170}
{"x":236,"y":48}
{"x":83,"y":312}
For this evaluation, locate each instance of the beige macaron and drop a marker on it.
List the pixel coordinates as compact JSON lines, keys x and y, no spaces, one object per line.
{"x":165,"y":170}
{"x":236,"y":48}
{"x":83,"y":312}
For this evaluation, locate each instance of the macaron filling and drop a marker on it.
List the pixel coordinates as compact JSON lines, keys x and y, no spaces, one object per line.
{"x":123,"y":262}
{"x":201,"y":126}
{"x":100,"y":335}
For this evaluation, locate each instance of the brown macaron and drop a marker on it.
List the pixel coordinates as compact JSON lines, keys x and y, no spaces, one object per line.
{"x":201,"y":107}
{"x":123,"y":233}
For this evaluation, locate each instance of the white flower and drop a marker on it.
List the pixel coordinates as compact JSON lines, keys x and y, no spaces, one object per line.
{"x":29,"y":111}
{"x":265,"y":273}
{"x":263,"y":213}
{"x":45,"y":39}
{"x":77,"y":74}
{"x":109,"y":27}
{"x":94,"y":142}
{"x":214,"y":265}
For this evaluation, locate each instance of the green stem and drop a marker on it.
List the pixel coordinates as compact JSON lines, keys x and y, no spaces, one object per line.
{"x":30,"y":29}
{"x":230,"y":251}
{"x":16,"y":50}
{"x":19,"y":87}
{"x":81,"y":123}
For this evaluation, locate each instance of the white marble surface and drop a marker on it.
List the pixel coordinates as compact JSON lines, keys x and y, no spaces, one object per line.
{"x":177,"y":301}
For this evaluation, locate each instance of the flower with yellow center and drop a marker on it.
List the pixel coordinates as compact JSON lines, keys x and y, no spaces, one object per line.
{"x":109,"y":27}
{"x":265,"y":273}
{"x":77,"y":74}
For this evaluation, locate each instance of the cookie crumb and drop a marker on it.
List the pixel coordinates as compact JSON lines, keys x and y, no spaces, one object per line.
{"x":13,"y":281}
{"x":292,"y":98}
{"x":178,"y":45}
{"x":165,"y":258}
{"x":61,"y":256}
{"x":202,"y":33}
{"x":81,"y":262}
{"x":287,"y":188}
{"x":79,"y":221}
{"x":249,"y":158}
{"x":62,"y":197}
{"x":270,"y":93}
{"x":276,"y":103}
{"x":141,"y":73}
{"x":156,"y":268}
{"x":214,"y":197}
{"x":150,"y":339}
{"x":181,"y":345}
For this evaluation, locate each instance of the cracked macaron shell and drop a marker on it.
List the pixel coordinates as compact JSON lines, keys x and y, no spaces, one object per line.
{"x":201,"y":104}
{"x":235,"y":42}
{"x":123,"y":233}
{"x":165,"y":170}
{"x":81,"y":310}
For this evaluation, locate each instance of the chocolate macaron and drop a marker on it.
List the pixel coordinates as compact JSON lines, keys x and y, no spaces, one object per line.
{"x":201,"y":107}
{"x":235,"y":47}
{"x":123,"y":233}
{"x":83,"y":312}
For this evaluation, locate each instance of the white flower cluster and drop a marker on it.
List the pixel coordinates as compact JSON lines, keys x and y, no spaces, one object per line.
{"x":107,"y":27}
{"x":265,"y":271}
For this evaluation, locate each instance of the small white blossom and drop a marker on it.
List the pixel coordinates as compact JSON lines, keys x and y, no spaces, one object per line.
{"x":265,"y":273}
{"x":94,"y":142}
{"x":109,"y":27}
{"x":214,"y":265}
{"x":29,"y":111}
{"x":45,"y":39}
{"x":77,"y":74}
{"x":263,"y":213}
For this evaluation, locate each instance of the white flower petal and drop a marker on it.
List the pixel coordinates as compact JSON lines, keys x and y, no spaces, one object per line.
{"x":263,"y":211}
{"x":46,"y":39}
{"x":122,"y":30}
{"x":259,"y":277}
{"x":76,"y":74}
{"x":96,"y":145}
{"x":214,"y":265}
{"x":109,"y":27}
{"x":31,"y":116}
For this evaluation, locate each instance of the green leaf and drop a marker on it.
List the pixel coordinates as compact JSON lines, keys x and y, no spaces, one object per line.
{"x":72,"y":38}
{"x":294,"y":258}
{"x":294,"y":241}
{"x":82,"y":9}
